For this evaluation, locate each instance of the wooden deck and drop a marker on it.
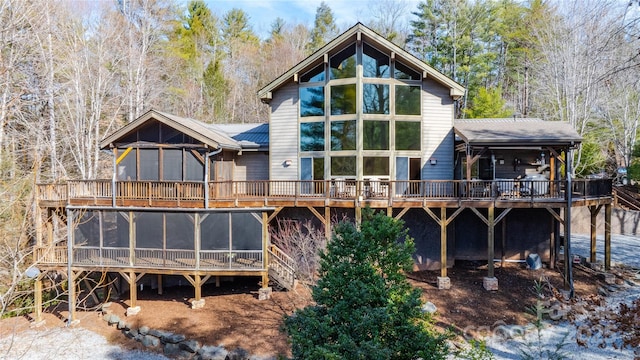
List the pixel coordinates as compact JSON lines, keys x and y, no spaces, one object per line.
{"x":333,"y":193}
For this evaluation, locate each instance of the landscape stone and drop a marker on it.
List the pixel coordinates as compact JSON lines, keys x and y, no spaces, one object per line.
{"x":171,"y":350}
{"x":114,"y":319}
{"x":238,"y":354}
{"x":213,"y":353}
{"x":133,"y":310}
{"x":144,"y":330}
{"x":173,"y":338}
{"x":150,"y":341}
{"x":190,"y":345}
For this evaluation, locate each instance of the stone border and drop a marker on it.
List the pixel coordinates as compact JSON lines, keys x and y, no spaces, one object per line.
{"x":175,"y":346}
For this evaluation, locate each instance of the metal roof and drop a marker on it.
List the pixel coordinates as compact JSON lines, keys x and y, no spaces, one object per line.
{"x":358,"y":32}
{"x":516,"y":132}
{"x":249,"y":136}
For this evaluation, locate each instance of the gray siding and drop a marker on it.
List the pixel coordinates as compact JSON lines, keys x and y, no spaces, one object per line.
{"x":437,"y":131}
{"x":283,"y":133}
{"x":251,"y":166}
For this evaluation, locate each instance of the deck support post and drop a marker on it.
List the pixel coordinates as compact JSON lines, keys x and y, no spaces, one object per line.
{"x":594,"y":210}
{"x":37,"y":295}
{"x":159,"y":284}
{"x":197,"y":285}
{"x":490,"y":240}
{"x":552,"y":244}
{"x":607,"y":237}
{"x":327,"y":222}
{"x":133,"y":291}
{"x":443,"y":242}
{"x":503,"y":243}
{"x":71,"y":279}
{"x":265,"y":250}
{"x":568,"y":261}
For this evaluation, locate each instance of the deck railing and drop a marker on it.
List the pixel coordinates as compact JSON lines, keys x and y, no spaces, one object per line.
{"x":370,"y":189}
{"x":178,"y":259}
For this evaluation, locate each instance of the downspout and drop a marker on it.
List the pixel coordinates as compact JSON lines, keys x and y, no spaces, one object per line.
{"x":206,"y":176}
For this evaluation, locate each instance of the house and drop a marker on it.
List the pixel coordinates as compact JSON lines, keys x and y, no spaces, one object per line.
{"x":358,"y":123}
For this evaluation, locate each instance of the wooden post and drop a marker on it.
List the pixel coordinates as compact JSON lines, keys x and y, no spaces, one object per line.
{"x":198,"y":287}
{"x":607,"y":237}
{"x":503,"y":244}
{"x":159,"y":284}
{"x":490,"y":241}
{"x":443,"y":242}
{"x":552,"y":244}
{"x":72,"y":298}
{"x":133,"y":291}
{"x":327,"y":222}
{"x":594,"y":213}
{"x":37,"y":294}
{"x":265,"y":250}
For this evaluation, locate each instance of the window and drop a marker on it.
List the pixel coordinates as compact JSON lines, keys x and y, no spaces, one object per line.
{"x":375,"y":99}
{"x":375,"y":166}
{"x":374,"y":63}
{"x":312,"y":136}
{"x":343,"y":135}
{"x":314,"y":75}
{"x":403,"y":72}
{"x":407,"y":135}
{"x":376,"y":135}
{"x":343,"y":99}
{"x":407,"y":100}
{"x":312,"y":101}
{"x":343,"y":166}
{"x":343,"y":64}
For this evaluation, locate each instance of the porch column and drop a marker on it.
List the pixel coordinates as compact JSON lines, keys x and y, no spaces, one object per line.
{"x":327,"y":222}
{"x":72,"y":298}
{"x":568,"y":261}
{"x":607,"y":237}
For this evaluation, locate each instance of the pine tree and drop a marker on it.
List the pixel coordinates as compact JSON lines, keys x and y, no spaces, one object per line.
{"x":365,"y":307}
{"x":324,"y":28}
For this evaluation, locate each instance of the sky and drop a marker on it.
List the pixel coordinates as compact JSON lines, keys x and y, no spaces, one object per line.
{"x":262,"y":13}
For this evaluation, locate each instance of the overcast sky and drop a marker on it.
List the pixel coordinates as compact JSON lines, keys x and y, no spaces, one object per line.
{"x":262,"y":13}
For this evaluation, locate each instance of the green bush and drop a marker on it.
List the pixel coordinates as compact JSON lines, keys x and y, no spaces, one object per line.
{"x":365,"y":307}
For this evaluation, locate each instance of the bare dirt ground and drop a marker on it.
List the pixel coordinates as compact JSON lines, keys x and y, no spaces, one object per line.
{"x":234,"y":317}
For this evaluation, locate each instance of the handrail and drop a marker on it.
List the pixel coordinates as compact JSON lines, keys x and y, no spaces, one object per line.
{"x":626,"y":198}
{"x":338,"y":189}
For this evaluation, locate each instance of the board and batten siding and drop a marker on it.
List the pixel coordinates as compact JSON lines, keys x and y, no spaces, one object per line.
{"x":283,"y":134}
{"x":437,"y":131}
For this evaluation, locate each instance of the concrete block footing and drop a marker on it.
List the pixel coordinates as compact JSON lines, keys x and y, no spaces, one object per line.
{"x":444,"y":283}
{"x":197,"y":304}
{"x":490,"y":283}
{"x":264,"y":293}
{"x":131,"y":311}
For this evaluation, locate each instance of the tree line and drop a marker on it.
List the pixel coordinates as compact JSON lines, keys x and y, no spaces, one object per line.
{"x":71,"y":72}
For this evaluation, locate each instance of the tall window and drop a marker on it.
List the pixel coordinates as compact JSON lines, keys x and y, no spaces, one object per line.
{"x":361,"y":111}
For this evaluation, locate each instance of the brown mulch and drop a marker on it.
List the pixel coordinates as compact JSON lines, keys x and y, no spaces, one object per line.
{"x":234,"y":317}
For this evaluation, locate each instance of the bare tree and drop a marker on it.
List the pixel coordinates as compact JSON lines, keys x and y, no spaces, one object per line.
{"x":569,"y":73}
{"x":388,"y":19}
{"x":303,"y":242}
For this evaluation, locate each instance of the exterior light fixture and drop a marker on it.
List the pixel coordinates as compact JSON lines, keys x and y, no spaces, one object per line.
{"x":287,"y":163}
{"x":433,"y":161}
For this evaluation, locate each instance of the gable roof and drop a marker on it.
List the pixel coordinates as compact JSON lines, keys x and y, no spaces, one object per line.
{"x":211,"y":137}
{"x":360,"y":32}
{"x":516,"y":132}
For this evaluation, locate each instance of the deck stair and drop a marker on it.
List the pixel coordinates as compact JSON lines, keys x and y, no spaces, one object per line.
{"x":626,"y":198}
{"x":281,"y":268}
